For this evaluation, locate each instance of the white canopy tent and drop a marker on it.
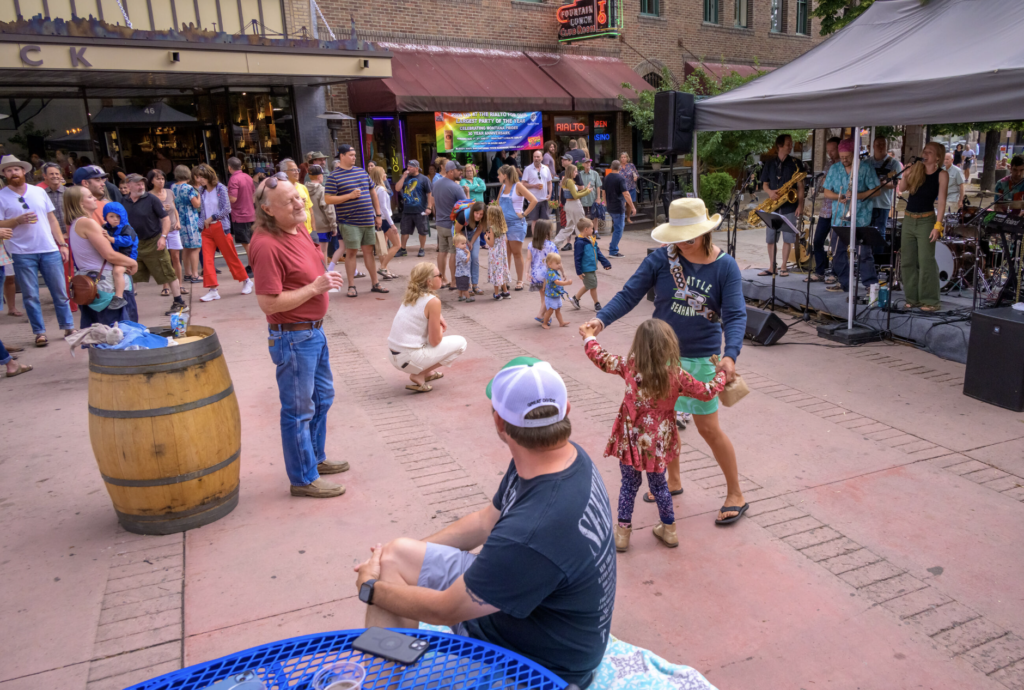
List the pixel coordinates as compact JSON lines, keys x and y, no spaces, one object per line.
{"x":901,"y":62}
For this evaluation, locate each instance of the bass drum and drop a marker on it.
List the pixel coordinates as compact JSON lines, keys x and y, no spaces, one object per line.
{"x":947,"y":265}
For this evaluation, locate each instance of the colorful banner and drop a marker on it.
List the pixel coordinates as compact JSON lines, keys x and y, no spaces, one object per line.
{"x":469,"y":132}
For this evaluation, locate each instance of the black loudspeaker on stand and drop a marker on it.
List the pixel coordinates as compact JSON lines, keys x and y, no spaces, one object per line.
{"x":673,"y":122}
{"x":764,"y":327}
{"x":995,"y":358}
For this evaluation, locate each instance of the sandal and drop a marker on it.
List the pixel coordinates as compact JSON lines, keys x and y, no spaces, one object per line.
{"x":476,"y":290}
{"x":813,"y":278}
{"x":739,"y":510}
{"x":519,"y":286}
{"x":765,"y":272}
{"x":183,"y":291}
{"x":14,"y":348}
{"x":378,"y":288}
{"x":41,"y":340}
{"x":649,"y":497}
{"x":446,"y":285}
{"x":928,"y":308}
{"x":166,"y":292}
{"x":417,"y":388}
{"x":22,"y":369}
{"x":783,"y":273}
{"x":352,"y":292}
{"x":435,"y":376}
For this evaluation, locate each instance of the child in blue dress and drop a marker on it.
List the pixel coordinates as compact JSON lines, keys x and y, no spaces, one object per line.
{"x":539,"y":250}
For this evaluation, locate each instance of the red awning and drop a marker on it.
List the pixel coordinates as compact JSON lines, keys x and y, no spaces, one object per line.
{"x":434,"y":79}
{"x":594,"y":82}
{"x":719,"y":70}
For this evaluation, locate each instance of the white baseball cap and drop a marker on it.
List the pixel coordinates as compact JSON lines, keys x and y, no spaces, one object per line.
{"x":524,"y":384}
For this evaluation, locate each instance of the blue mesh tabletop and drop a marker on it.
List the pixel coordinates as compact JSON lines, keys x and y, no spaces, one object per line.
{"x":455,"y":662}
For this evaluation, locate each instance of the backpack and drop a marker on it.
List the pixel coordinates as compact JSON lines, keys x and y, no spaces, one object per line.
{"x":461,"y":204}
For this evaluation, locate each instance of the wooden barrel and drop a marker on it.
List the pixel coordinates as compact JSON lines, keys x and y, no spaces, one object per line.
{"x":166,"y":433}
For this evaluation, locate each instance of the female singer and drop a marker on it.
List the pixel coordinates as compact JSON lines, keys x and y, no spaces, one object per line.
{"x":922,"y":227}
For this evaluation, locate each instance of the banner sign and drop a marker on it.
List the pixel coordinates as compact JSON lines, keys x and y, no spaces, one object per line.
{"x":584,"y":19}
{"x":480,"y":131}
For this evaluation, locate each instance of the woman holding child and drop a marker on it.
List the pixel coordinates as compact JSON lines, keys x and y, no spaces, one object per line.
{"x":698,"y":293}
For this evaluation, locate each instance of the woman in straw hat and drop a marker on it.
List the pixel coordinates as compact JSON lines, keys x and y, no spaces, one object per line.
{"x":698,"y":293}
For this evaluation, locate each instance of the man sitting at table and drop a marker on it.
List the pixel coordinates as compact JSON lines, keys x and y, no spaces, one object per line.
{"x":538,"y":587}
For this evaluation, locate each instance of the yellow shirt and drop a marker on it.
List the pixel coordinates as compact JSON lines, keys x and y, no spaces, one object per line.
{"x":304,"y":193}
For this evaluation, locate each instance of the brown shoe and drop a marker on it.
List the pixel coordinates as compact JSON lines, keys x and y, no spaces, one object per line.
{"x":328,"y":467}
{"x":666,"y":534}
{"x":320,"y":488}
{"x":622,"y":538}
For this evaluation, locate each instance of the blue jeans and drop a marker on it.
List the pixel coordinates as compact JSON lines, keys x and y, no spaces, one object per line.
{"x":821,"y":231}
{"x":27,"y":268}
{"x":5,"y":356}
{"x":841,"y":265}
{"x":306,"y":387}
{"x":618,"y":224}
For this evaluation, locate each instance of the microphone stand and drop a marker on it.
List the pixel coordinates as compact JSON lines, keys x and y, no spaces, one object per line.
{"x":807,"y":298}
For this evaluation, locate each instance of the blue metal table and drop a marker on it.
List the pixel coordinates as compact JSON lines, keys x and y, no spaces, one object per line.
{"x":452,"y":662}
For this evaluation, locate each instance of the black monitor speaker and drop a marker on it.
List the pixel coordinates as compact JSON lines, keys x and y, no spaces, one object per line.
{"x":764,"y":327}
{"x":673,"y":122}
{"x":995,"y":358}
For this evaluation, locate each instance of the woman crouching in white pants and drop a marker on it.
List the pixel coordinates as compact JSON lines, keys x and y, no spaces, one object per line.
{"x":417,"y":343}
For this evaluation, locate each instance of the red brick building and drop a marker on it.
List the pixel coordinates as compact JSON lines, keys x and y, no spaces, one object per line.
{"x":471,"y":55}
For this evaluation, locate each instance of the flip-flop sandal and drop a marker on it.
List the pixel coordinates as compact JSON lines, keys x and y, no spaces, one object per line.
{"x":352,"y":291}
{"x":165,"y":293}
{"x":928,"y":308}
{"x":783,"y":274}
{"x":538,"y":319}
{"x":184,"y":291}
{"x":378,"y":288}
{"x":765,"y":273}
{"x":419,"y":389}
{"x":446,"y":285}
{"x":649,"y":498}
{"x":728,"y":509}
{"x":519,"y":286}
{"x":41,"y":340}
{"x":22,"y":369}
{"x":435,"y":376}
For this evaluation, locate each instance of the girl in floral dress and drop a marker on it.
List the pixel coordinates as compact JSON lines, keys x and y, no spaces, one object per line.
{"x":644,"y":436}
{"x":497,"y":254}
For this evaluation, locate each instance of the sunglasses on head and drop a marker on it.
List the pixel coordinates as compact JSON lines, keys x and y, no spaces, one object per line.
{"x":271,"y":182}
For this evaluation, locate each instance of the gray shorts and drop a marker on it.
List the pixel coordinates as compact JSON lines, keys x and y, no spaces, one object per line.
{"x":442,"y":566}
{"x":540,"y":211}
{"x":788,"y":236}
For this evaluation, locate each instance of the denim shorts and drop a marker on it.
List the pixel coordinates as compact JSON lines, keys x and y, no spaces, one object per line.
{"x":442,"y":566}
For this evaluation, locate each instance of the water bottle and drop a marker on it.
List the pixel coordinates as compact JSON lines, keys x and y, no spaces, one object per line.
{"x":873,"y":294}
{"x":883,"y":296}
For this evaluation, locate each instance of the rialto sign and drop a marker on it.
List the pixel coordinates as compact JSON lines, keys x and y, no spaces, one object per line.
{"x":584,"y":19}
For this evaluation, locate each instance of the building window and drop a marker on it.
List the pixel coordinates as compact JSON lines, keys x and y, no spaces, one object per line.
{"x":711,"y":11}
{"x":742,"y":7}
{"x":778,"y":16}
{"x":654,"y":79}
{"x":803,"y":22}
{"x":650,"y":7}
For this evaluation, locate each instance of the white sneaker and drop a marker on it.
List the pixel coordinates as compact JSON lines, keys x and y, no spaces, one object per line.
{"x":247,"y":286}
{"x":210,"y":296}
{"x":331,"y":266}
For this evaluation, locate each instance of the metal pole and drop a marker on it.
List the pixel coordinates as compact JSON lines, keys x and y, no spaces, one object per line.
{"x":696,"y":177}
{"x":853,"y":222}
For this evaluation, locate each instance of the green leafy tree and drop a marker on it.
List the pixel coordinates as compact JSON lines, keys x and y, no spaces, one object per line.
{"x":835,"y":14}
{"x":992,"y":131}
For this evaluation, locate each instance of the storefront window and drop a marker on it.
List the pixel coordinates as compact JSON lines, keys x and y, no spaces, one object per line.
{"x":602,"y":150}
{"x":570,"y":127}
{"x":262,"y":128}
{"x":42,"y":129}
{"x":381,"y":138}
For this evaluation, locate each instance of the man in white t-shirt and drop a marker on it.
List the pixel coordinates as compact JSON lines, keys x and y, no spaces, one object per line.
{"x":537,"y":179}
{"x":957,"y":185}
{"x":36,"y":245}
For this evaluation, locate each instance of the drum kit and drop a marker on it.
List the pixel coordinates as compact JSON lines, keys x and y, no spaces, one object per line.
{"x":960,"y":250}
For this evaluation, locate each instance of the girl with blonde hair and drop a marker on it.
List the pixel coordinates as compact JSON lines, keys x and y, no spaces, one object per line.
{"x":926,"y":182}
{"x":417,"y":343}
{"x":497,"y":252}
{"x":573,"y":206}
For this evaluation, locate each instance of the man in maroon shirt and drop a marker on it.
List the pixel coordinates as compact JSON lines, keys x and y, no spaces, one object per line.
{"x":291,"y":288}
{"x":243,"y":213}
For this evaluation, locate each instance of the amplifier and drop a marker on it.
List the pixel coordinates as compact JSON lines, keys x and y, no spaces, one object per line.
{"x":764,"y":327}
{"x":995,"y":358}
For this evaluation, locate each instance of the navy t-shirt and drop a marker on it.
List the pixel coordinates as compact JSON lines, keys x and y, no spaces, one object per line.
{"x":414,"y":195}
{"x":549,"y":566}
{"x":614,"y":186}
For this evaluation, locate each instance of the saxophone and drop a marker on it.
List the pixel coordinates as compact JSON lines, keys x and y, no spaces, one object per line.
{"x":787,"y":195}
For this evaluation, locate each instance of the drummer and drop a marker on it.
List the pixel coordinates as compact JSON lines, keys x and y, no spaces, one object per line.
{"x":1011,"y":189}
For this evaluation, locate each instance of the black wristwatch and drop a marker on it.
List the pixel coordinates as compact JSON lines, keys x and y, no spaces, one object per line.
{"x":366,"y":592}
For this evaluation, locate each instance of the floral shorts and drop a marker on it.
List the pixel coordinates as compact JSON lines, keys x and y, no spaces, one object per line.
{"x":703,"y":370}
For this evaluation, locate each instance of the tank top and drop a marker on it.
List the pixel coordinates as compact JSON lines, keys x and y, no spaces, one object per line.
{"x":923,"y":200}
{"x":517,"y":201}
{"x":86,"y":256}
{"x":409,"y":329}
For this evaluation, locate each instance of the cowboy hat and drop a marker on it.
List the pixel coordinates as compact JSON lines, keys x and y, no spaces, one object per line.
{"x":8,"y":161}
{"x":687,"y":219}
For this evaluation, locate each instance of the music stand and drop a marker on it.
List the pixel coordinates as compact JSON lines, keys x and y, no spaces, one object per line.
{"x":866,"y":235}
{"x":776,"y":221}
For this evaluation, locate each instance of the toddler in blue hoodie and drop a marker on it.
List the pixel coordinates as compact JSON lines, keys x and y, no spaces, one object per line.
{"x":125,"y":241}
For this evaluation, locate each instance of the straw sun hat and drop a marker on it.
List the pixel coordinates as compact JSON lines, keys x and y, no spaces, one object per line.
{"x":687,"y":220}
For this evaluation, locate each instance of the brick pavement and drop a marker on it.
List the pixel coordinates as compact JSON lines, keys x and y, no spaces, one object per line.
{"x":879,"y":549}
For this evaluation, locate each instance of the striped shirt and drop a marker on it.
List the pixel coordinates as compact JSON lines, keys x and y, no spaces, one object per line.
{"x":358,"y":211}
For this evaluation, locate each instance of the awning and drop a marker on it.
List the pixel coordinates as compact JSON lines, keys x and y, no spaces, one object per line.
{"x":157,"y":113}
{"x":719,"y":70}
{"x":595,"y":83}
{"x":435,"y":79}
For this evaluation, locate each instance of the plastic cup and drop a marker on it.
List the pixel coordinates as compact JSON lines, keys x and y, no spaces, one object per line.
{"x":343,"y":675}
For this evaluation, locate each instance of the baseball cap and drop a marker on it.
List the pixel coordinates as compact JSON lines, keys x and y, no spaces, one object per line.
{"x":452,"y":165}
{"x":316,"y":170}
{"x":89,"y":172}
{"x":523,"y":385}
{"x":566,"y":157}
{"x":413,"y":163}
{"x":135,"y":177}
{"x":344,"y":148}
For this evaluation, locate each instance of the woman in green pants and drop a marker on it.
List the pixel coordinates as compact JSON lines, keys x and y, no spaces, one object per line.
{"x":922,"y":227}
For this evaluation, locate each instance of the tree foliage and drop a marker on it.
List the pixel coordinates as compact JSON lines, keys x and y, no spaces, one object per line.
{"x":715,"y":150}
{"x":835,"y":14}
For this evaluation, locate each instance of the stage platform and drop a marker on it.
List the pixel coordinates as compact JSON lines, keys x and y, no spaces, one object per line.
{"x":944,"y":333}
